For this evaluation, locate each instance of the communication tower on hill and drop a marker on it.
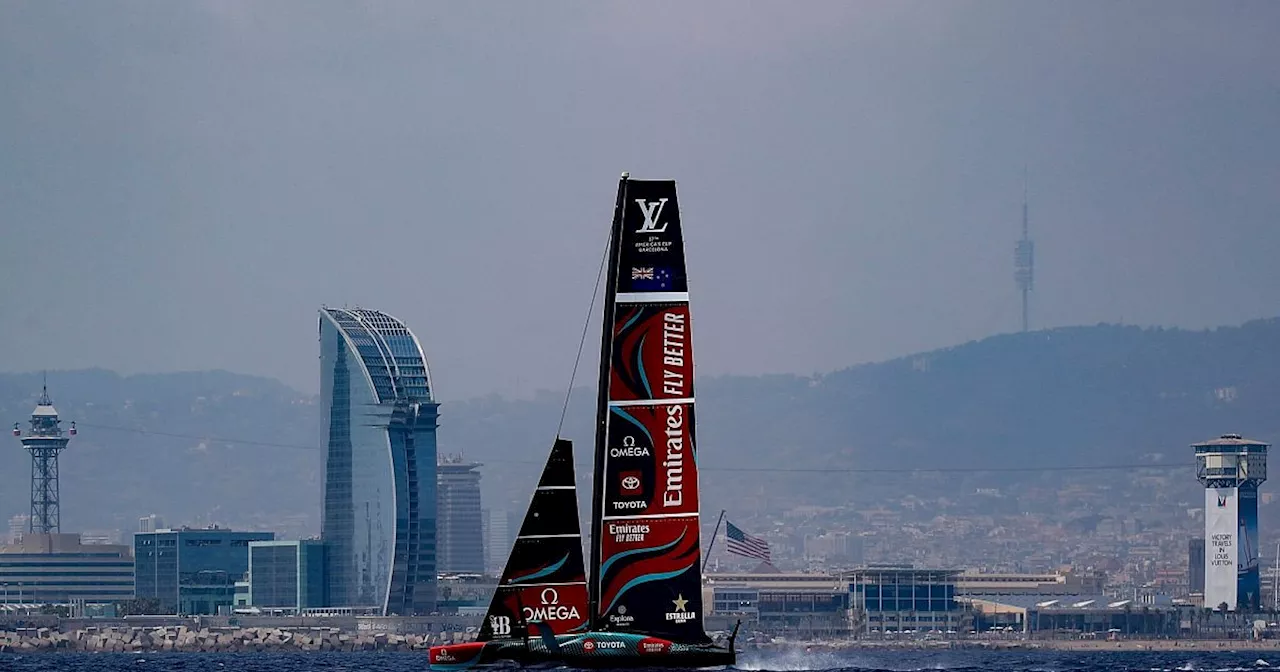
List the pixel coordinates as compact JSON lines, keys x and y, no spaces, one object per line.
{"x":1024,"y":260}
{"x":1231,"y":468}
{"x":44,"y":441}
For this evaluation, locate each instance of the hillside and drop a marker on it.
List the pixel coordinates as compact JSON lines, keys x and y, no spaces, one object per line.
{"x":149,"y":444}
{"x":236,"y":449}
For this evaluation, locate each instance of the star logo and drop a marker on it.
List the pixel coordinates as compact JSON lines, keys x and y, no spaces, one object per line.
{"x":680,"y":602}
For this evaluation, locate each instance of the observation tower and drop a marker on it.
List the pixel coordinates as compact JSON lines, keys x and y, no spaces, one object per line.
{"x":1231,"y":468}
{"x":44,"y":441}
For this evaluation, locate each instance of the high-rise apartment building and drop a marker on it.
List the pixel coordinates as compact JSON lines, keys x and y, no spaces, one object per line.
{"x":149,"y":524}
{"x":1195,"y":565}
{"x":379,"y":427}
{"x":18,"y":527}
{"x":461,"y":529}
{"x":499,"y":536}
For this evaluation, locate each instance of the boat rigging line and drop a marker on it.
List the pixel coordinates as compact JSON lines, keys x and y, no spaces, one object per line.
{"x":784,"y":470}
{"x":604,"y":257}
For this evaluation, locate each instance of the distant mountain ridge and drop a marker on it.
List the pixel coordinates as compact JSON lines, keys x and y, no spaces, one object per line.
{"x":244,"y":450}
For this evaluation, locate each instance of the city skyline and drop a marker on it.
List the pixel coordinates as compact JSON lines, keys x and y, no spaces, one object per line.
{"x":921,"y":241}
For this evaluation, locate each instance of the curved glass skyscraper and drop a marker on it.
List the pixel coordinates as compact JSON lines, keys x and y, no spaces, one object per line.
{"x":379,"y":510}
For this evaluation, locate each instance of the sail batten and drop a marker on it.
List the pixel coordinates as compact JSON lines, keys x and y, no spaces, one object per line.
{"x":650,"y":402}
{"x":652,"y":297}
{"x":645,"y":548}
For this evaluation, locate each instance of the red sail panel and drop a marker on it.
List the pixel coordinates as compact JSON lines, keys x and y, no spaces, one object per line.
{"x":653,"y":353}
{"x":562,"y":607}
{"x":646,"y":565}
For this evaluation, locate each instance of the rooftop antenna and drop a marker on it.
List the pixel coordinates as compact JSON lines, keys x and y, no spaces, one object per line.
{"x":1024,"y":259}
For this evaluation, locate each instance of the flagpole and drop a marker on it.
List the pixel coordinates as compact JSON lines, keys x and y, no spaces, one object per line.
{"x":713,"y":542}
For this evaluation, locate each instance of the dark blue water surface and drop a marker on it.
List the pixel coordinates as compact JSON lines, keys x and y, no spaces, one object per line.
{"x":858,"y":661}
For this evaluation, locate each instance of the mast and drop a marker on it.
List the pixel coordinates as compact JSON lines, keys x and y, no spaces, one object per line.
{"x":602,"y":400}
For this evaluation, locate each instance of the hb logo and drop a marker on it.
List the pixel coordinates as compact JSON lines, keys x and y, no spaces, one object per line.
{"x":501,"y":625}
{"x":652,"y":212}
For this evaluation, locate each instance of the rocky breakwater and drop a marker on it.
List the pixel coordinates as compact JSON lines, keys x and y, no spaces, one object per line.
{"x":215,"y":639}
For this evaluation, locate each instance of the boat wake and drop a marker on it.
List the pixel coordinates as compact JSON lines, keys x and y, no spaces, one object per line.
{"x":790,"y":661}
{"x":799,"y":660}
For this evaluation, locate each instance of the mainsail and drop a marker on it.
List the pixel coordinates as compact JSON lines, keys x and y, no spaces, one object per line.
{"x":645,"y":552}
{"x":543,"y":581}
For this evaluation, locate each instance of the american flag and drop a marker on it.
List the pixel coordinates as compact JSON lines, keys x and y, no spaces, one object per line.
{"x":741,"y":543}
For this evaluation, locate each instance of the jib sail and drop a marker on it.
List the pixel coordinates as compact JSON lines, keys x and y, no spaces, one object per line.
{"x":645,"y":550}
{"x":544,"y":581}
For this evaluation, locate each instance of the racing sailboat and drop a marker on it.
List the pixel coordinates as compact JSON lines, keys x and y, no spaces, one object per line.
{"x":641,"y":603}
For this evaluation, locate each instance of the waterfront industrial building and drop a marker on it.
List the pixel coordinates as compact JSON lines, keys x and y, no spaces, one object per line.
{"x":287,"y":576}
{"x":972,"y":583}
{"x":901,"y":598}
{"x":58,"y":569}
{"x":1073,"y":616}
{"x":799,"y":606}
{"x":192,"y":571}
{"x":466,"y":593}
{"x":460,"y":527}
{"x":875,"y":600}
{"x":379,"y":419}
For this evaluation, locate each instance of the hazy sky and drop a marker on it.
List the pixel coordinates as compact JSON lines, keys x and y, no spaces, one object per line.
{"x":183,"y":184}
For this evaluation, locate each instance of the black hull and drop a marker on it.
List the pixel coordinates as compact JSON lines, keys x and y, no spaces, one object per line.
{"x":593,"y":651}
{"x":678,"y":661}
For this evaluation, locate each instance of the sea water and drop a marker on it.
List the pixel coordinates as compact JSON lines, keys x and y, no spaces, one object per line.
{"x":795,"y":661}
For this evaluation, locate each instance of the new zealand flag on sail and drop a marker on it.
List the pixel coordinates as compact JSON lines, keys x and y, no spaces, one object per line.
{"x":650,"y":279}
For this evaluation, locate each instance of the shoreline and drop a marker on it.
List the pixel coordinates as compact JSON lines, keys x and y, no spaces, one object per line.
{"x":182,"y":639}
{"x":208,"y":640}
{"x":1080,"y":645}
